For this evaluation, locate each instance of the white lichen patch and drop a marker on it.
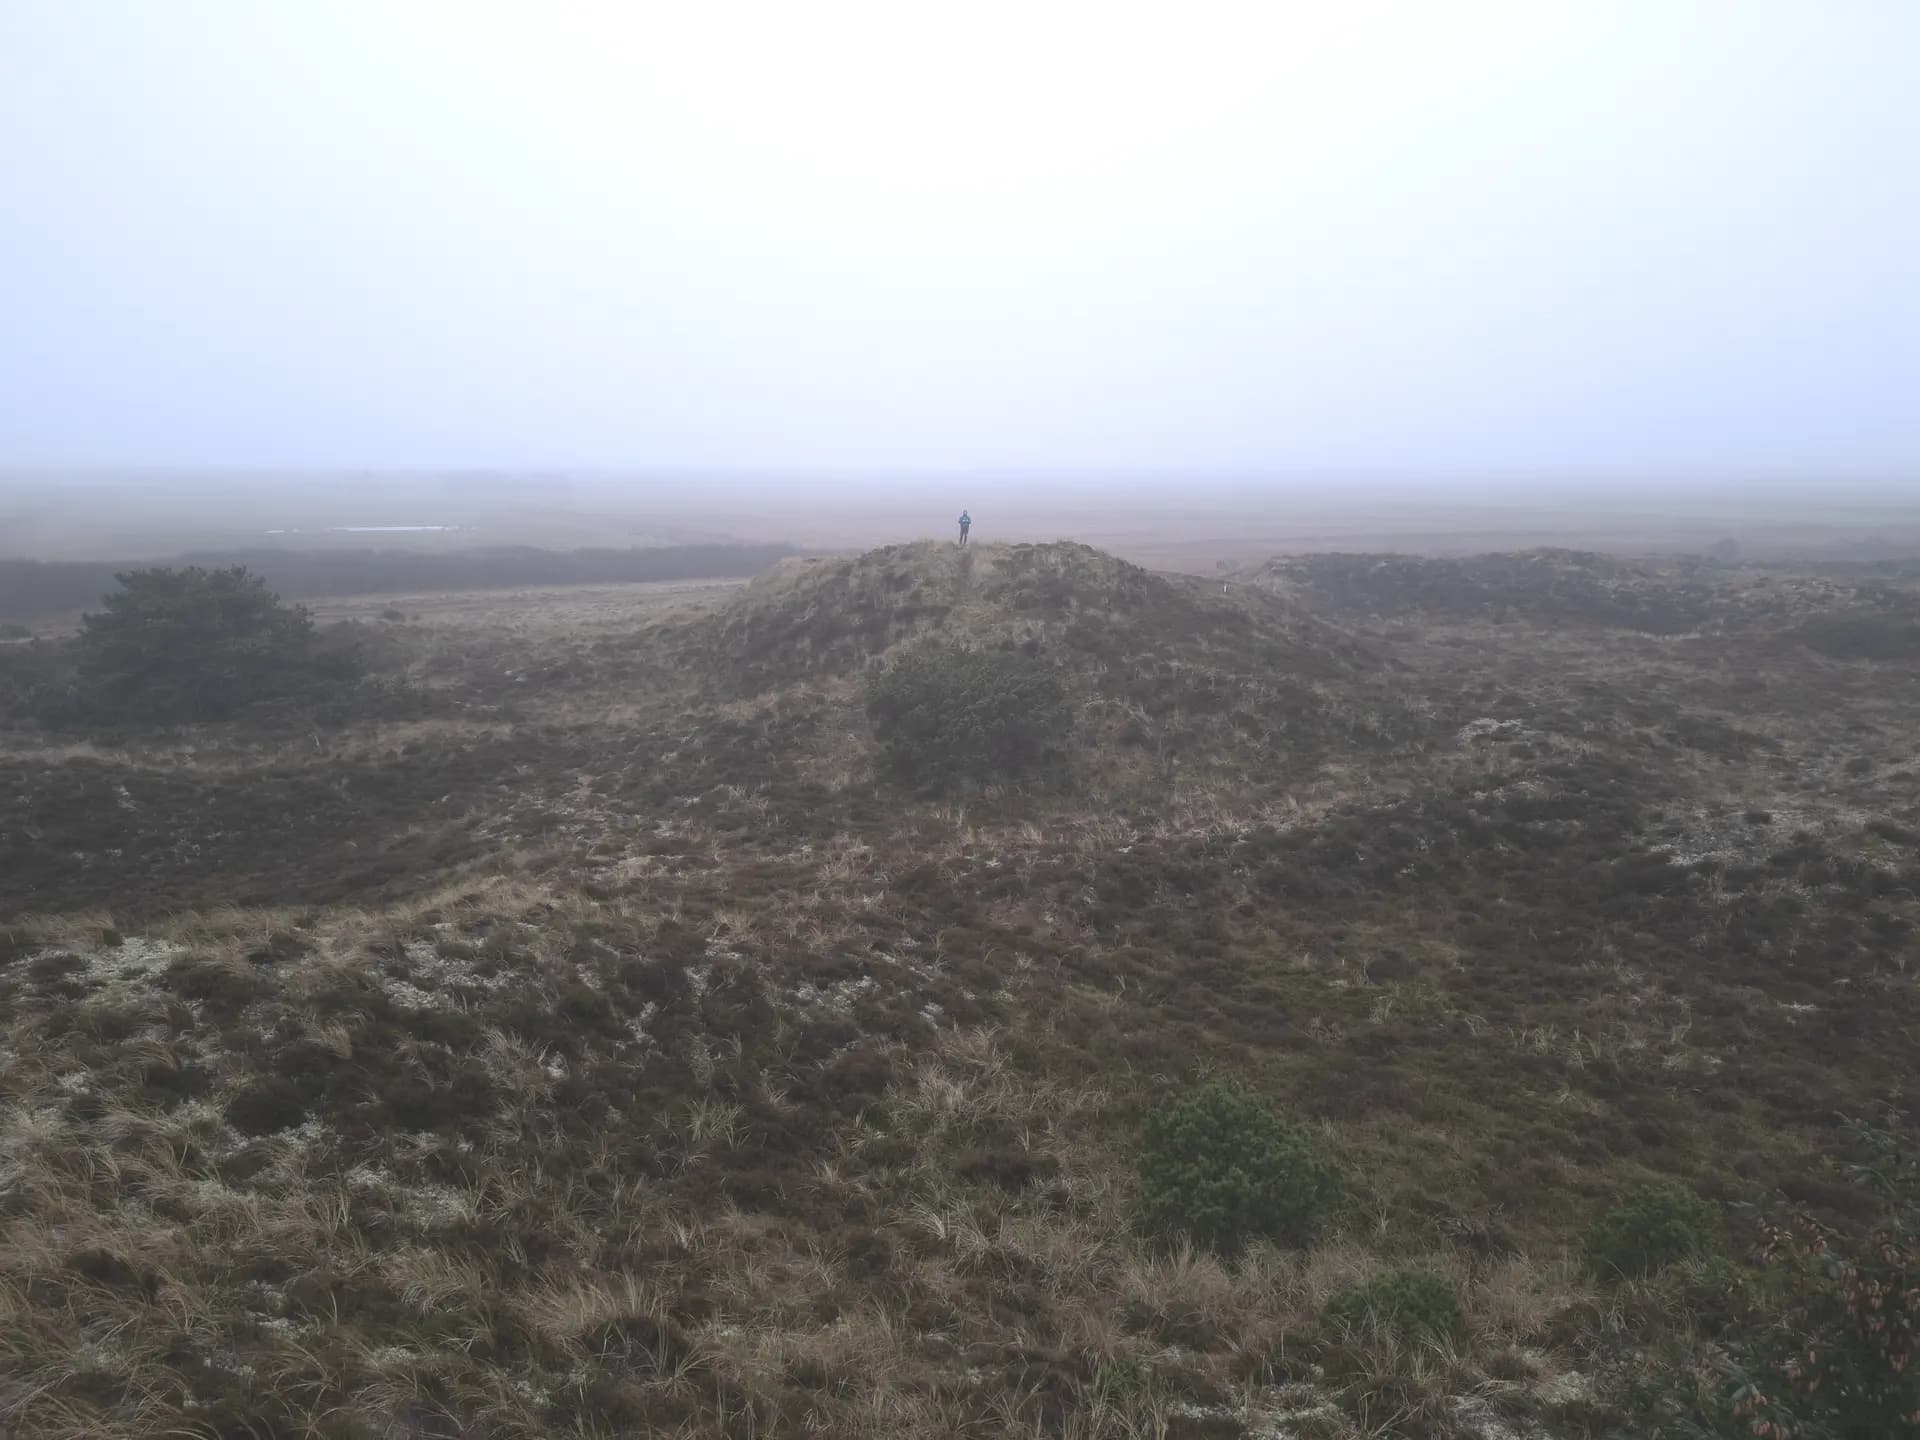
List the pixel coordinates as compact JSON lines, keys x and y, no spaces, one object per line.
{"x":1730,"y":836}
{"x":434,"y":978}
{"x":431,"y":1206}
{"x":405,"y":992}
{"x":1298,"y":1411}
{"x":132,"y":960}
{"x":229,"y":1363}
{"x":924,"y":970}
{"x":1567,"y":1388}
{"x":839,"y":997}
{"x":303,"y":1134}
{"x":1478,"y":1419}
{"x":1487,"y":728}
{"x":102,"y":1356}
{"x":636,"y":1025}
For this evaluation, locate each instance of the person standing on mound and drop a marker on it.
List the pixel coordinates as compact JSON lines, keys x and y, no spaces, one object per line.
{"x":966,"y":524}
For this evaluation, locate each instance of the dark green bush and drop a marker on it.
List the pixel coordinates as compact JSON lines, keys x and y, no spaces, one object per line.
{"x":1649,"y":1228}
{"x":1220,"y":1168}
{"x":1409,"y":1304}
{"x":949,"y":718}
{"x":1819,"y":1344}
{"x":1840,"y":1352}
{"x":178,"y":645}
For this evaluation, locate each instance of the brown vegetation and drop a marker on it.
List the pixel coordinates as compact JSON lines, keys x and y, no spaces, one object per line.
{"x":614,"y":1048}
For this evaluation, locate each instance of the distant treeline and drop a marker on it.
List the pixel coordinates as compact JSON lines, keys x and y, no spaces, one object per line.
{"x":53,"y":587}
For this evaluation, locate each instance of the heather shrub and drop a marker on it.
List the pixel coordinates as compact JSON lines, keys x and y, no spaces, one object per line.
{"x":1218,"y":1167}
{"x":1649,"y":1228}
{"x":949,"y":718}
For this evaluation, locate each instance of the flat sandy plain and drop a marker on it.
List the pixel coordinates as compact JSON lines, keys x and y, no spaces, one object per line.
{"x":1165,"y":521}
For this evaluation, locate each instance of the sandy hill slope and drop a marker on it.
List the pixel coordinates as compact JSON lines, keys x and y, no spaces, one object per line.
{"x":823,"y":616}
{"x":1166,"y":670}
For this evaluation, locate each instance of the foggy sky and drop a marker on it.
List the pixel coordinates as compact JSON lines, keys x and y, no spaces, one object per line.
{"x":1628,"y":233}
